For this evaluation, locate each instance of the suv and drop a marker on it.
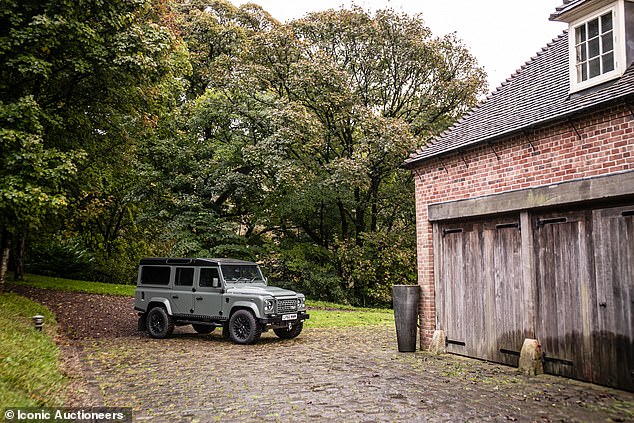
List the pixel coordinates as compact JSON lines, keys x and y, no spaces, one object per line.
{"x":211,"y":293}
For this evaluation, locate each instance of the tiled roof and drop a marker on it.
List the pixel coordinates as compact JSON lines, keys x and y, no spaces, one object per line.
{"x":535,"y":94}
{"x":567,"y":6}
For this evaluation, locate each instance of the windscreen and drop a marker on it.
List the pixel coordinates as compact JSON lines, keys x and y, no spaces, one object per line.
{"x":241,"y":273}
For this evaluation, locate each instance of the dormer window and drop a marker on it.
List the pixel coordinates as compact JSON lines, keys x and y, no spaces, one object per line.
{"x":596,"y":42}
{"x":594,"y":47}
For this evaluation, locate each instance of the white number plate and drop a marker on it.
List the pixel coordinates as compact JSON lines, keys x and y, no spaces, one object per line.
{"x":289,"y":317}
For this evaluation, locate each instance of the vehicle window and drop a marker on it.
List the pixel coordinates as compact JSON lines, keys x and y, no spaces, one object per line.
{"x":209,"y":278}
{"x":241,"y":273}
{"x":155,"y":275}
{"x":184,"y":276}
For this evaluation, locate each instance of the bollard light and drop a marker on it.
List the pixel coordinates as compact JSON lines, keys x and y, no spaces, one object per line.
{"x":38,"y":321}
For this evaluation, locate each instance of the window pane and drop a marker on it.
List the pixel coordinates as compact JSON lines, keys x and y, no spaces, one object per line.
{"x":580,"y":73}
{"x":595,"y":67}
{"x":606,"y":22}
{"x":580,"y":33}
{"x":155,"y":275}
{"x":581,"y":53}
{"x":184,"y":276}
{"x":593,"y":48}
{"x":607,"y":42}
{"x":608,"y":62}
{"x":209,"y":278}
{"x":593,"y":28}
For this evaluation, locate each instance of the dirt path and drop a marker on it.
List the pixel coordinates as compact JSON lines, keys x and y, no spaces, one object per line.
{"x":87,"y":316}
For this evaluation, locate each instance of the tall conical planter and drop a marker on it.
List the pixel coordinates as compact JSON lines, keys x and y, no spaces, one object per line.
{"x":405,"y":300}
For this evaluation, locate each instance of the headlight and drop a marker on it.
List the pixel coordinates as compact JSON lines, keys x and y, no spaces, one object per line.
{"x":301,"y":303}
{"x":269,"y":305}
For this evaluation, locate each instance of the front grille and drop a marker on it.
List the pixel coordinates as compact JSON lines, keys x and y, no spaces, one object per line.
{"x":286,"y":306}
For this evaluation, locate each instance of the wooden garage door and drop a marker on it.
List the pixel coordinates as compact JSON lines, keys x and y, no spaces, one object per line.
{"x":479,"y":288}
{"x":613,"y":235}
{"x":564,"y":293}
{"x":585,"y":288}
{"x":574,"y":292}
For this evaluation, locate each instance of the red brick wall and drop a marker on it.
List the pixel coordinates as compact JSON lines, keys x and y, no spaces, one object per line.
{"x":554,"y":154}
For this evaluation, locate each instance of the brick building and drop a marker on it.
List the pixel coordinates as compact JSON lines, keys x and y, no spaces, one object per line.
{"x":525,"y":208}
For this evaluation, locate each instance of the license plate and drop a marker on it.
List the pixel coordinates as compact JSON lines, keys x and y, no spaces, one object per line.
{"x":289,"y":317}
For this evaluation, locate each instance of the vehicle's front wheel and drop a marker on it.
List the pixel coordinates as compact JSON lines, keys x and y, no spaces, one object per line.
{"x":293,"y":332}
{"x":203,"y":329}
{"x":159,"y":324}
{"x":243,"y":329}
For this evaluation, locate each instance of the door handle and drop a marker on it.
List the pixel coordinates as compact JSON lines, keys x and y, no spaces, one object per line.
{"x":199,"y":298}
{"x":175,"y":297}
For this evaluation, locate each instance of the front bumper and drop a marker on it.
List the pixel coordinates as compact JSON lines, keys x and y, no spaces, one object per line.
{"x":277,"y":320}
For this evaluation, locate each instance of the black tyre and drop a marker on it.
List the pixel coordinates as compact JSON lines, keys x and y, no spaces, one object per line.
{"x":159,"y":324}
{"x":293,"y":332}
{"x":243,"y":329}
{"x":203,"y":329}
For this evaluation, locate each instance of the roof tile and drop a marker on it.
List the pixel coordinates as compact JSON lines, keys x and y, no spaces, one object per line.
{"x":536,"y":94}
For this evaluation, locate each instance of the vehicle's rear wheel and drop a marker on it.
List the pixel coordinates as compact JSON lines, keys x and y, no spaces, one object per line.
{"x":286,"y":333}
{"x":203,"y":329}
{"x":243,"y":328}
{"x":159,"y":324}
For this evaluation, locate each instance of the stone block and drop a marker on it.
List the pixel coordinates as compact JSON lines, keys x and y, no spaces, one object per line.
{"x":531,"y":363}
{"x":437,"y":345}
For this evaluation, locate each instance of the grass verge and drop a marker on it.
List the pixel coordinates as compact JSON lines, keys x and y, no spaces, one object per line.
{"x":61,"y":284}
{"x":29,"y":369}
{"x":324,"y":315}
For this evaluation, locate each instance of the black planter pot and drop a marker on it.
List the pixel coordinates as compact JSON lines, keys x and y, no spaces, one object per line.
{"x":405,"y":299}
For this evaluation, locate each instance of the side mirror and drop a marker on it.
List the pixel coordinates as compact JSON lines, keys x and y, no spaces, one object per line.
{"x":193,"y":289}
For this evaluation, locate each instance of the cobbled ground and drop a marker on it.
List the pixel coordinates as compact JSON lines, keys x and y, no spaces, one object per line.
{"x":332,"y":375}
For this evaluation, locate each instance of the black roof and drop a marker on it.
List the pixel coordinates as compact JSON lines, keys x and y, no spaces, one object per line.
{"x":192,"y":261}
{"x":538,"y":93}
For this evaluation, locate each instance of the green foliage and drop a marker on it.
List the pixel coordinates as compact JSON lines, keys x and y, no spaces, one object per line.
{"x":29,"y":372}
{"x":200,"y":128}
{"x":306,"y":268}
{"x":370,"y":269}
{"x":95,"y":77}
{"x":60,"y":257}
{"x":32,"y":177}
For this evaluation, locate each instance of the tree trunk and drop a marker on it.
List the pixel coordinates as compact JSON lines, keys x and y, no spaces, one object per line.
{"x":344,"y":222}
{"x":19,"y":257}
{"x":4,"y":257}
{"x":359,"y":223}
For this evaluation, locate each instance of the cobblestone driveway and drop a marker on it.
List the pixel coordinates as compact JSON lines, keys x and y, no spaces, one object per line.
{"x":338,"y":375}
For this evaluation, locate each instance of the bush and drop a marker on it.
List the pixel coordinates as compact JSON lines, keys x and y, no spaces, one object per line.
{"x":308,"y":269}
{"x":68,"y":259}
{"x":369,"y":270}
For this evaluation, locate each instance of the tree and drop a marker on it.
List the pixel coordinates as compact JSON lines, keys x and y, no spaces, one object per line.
{"x":209,"y":191}
{"x":100,"y":75}
{"x":32,"y":177}
{"x":306,"y":125}
{"x":376,"y":88}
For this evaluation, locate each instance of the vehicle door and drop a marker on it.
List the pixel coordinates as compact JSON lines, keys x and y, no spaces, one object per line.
{"x":208,"y":295}
{"x":182,"y":296}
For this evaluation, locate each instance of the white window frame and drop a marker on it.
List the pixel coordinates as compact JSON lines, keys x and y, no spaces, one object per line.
{"x":618,"y":32}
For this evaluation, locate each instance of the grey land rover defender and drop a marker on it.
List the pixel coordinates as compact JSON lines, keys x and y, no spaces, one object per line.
{"x":210,"y":293}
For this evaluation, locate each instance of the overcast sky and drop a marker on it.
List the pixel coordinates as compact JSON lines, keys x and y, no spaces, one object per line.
{"x":501,"y":34}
